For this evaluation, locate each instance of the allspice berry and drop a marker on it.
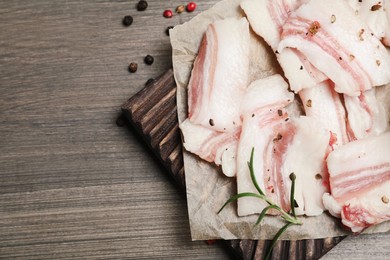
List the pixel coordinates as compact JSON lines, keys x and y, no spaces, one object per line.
{"x":133,"y":67}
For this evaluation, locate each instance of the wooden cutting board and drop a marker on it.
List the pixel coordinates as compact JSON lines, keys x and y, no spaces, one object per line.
{"x":153,"y":113}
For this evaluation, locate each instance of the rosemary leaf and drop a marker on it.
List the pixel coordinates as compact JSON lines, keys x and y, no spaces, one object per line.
{"x":276,"y":238}
{"x":252,"y":172}
{"x":240,"y":195}
{"x":262,"y":214}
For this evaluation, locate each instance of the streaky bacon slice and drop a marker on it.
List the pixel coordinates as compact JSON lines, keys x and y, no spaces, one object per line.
{"x":324,"y":104}
{"x":212,"y":146}
{"x":220,"y":75}
{"x":305,"y":156}
{"x":366,"y":115}
{"x":300,"y":73}
{"x":282,"y":145}
{"x":338,"y":44}
{"x":359,"y":175}
{"x":263,"y":112}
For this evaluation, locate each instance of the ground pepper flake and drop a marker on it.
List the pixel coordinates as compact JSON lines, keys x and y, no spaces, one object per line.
{"x":318,"y":176}
{"x":211,"y":122}
{"x":378,"y":62}
{"x":308,"y":103}
{"x":376,"y":7}
{"x":351,"y":57}
{"x":314,"y":27}
{"x":280,"y":112}
{"x":277,"y":138}
{"x":385,"y":199}
{"x":361,"y":34}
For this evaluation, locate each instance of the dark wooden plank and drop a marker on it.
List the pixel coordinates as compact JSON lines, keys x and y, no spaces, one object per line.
{"x":147,"y":112}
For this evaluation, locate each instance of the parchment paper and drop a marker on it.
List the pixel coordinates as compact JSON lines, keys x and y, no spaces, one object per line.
{"x":207,"y":187}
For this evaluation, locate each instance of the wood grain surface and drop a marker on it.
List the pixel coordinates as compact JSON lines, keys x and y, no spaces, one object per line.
{"x":72,"y":184}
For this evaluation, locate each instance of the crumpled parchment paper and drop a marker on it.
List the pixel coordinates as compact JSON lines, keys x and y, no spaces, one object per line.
{"x":207,"y":188}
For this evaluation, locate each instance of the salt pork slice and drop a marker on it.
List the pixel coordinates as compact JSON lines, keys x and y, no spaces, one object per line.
{"x":366,"y":115}
{"x":337,"y":43}
{"x":216,"y":147}
{"x":281,"y":146}
{"x":267,"y":18}
{"x":220,"y":75}
{"x":359,"y":175}
{"x":324,"y":104}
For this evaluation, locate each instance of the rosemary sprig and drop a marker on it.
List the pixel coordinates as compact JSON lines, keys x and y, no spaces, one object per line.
{"x":290,"y":218}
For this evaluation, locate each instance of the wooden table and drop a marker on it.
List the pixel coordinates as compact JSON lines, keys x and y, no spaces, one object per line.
{"x":72,"y":183}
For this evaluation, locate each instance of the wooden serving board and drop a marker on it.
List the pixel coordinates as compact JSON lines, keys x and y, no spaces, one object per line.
{"x":153,"y":113}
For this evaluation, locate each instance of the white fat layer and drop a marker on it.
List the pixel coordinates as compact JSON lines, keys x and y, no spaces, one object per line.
{"x":263,"y":24}
{"x":264,"y":93}
{"x":365,"y":123}
{"x":371,"y":202}
{"x":345,"y":30}
{"x":300,"y":75}
{"x":195,"y":137}
{"x":323,"y":104}
{"x":229,"y":165}
{"x":354,"y":156}
{"x":305,"y":158}
{"x":231,"y":74}
{"x":331,"y":205}
{"x":377,"y":20}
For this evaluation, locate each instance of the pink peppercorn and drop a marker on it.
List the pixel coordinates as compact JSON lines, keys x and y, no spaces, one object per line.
{"x":191,"y":6}
{"x":167,"y":14}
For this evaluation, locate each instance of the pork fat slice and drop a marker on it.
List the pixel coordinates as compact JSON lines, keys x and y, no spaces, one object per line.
{"x":220,"y":75}
{"x":280,"y":148}
{"x":366,"y":115}
{"x":338,"y":44}
{"x":360,"y":182}
{"x":212,"y":146}
{"x":267,"y":18}
{"x":324,"y":104}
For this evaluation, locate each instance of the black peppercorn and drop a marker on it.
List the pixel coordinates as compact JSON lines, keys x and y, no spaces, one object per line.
{"x":142,"y":5}
{"x":133,"y":67}
{"x":127,"y":20}
{"x":167,"y":30}
{"x":150,"y":81}
{"x":149,"y":60}
{"x":120,"y":121}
